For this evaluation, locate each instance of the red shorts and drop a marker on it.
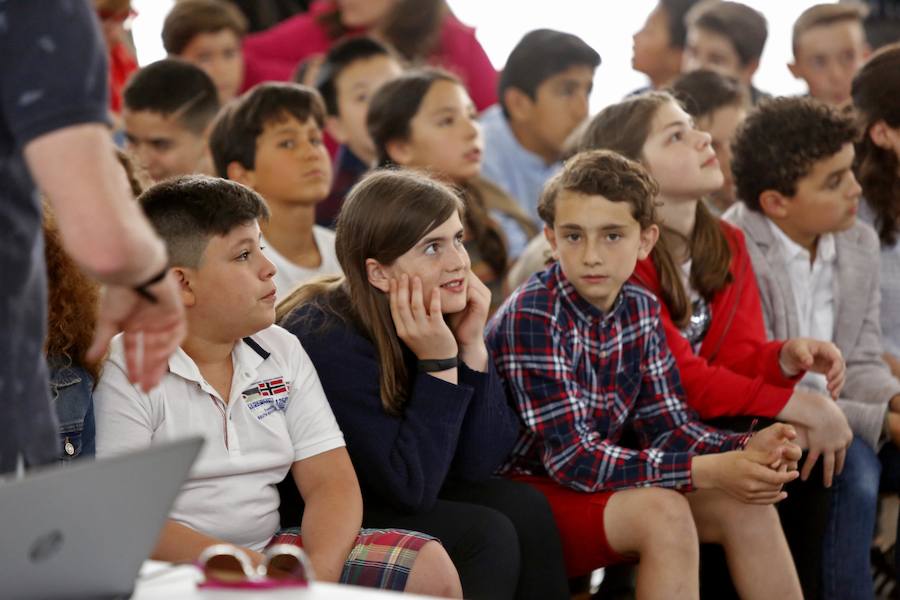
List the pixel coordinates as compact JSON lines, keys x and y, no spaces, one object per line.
{"x":579,"y":518}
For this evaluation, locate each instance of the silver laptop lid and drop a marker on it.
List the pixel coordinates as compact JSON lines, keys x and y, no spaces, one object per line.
{"x":84,"y":530}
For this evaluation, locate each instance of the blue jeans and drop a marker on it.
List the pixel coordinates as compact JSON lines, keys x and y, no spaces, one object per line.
{"x":851,"y":525}
{"x":890,"y":482}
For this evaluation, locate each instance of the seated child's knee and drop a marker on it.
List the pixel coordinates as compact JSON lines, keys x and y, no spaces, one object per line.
{"x":433,"y":573}
{"x":667,"y":514}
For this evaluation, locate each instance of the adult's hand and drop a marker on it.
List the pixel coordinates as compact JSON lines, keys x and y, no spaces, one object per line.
{"x":152,"y":330}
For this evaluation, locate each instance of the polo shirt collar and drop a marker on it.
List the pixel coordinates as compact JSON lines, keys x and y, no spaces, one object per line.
{"x":247,"y":355}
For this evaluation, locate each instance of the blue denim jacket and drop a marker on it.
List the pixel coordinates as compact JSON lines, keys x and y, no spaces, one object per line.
{"x":71,"y":391}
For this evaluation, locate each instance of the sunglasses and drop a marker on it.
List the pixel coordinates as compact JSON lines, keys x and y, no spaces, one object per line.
{"x":227,"y":566}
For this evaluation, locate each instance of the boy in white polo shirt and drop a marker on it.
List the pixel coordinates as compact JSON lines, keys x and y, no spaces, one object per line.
{"x":249,"y":388}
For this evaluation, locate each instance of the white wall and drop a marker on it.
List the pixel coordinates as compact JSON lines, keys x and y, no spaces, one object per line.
{"x":607,"y":25}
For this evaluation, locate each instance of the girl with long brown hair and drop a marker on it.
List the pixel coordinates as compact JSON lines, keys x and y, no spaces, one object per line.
{"x":711,"y":310}
{"x":398,"y":344}
{"x":425,"y":120}
{"x":876,"y":90}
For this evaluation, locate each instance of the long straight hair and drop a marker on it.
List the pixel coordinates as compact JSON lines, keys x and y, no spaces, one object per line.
{"x":390,"y":115}
{"x":624,"y":128}
{"x":384,"y":216}
{"x":876,"y":89}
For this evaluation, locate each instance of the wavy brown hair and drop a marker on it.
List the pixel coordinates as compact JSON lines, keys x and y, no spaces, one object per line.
{"x":875,"y":91}
{"x":624,"y":128}
{"x":384,"y":216}
{"x":72,"y":302}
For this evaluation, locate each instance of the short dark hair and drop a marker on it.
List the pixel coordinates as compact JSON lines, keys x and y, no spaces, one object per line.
{"x":702,"y":92}
{"x":743,"y":26}
{"x":241,"y":122}
{"x":187,"y":211}
{"x":339,"y":57}
{"x":539,"y":55}
{"x":603,"y":173}
{"x":780,"y":142}
{"x":675,"y":12}
{"x":174,"y":87}
{"x":189,"y":18}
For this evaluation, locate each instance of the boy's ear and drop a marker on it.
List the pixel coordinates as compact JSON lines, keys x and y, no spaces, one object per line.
{"x":551,"y":237}
{"x":377,"y":275}
{"x":649,"y":236}
{"x":335,"y":128}
{"x":400,"y":152}
{"x":238,"y":172}
{"x":774,"y":204}
{"x":183,"y":275}
{"x":518,"y":104}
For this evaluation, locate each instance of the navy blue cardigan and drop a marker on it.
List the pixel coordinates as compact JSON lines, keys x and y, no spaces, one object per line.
{"x":463,"y":431}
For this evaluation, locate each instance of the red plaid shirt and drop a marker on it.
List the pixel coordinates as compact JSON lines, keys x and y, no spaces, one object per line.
{"x":579,"y":378}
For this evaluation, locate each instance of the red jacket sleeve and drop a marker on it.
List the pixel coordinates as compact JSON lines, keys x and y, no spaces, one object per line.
{"x":273,"y":54}
{"x":736,"y":372}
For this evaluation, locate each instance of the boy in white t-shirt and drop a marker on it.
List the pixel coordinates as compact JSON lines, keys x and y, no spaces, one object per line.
{"x":249,"y":388}
{"x":270,"y":139}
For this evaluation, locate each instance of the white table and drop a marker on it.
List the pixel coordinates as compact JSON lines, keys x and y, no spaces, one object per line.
{"x":161,"y":581}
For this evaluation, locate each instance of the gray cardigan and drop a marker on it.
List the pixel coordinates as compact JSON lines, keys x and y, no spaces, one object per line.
{"x":857,"y":330}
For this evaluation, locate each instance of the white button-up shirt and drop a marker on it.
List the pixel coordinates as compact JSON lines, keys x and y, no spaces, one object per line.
{"x":814,"y":291}
{"x":276,"y":414}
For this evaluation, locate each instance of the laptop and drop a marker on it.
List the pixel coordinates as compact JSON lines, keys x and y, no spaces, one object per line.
{"x":83,"y":531}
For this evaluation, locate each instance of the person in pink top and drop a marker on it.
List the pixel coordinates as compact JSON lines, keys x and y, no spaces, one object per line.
{"x":422,"y":31}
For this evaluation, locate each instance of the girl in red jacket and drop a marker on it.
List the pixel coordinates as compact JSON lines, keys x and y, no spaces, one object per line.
{"x":711,"y":311}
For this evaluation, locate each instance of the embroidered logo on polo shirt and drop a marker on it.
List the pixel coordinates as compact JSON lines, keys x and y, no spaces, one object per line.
{"x":266,"y":397}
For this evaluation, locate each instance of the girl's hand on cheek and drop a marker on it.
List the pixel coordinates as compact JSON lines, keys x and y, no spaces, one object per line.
{"x":423,"y":330}
{"x":468,"y":324}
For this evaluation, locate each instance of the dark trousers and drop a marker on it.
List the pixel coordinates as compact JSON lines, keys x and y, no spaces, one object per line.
{"x":499,"y":533}
{"x":804,"y":519}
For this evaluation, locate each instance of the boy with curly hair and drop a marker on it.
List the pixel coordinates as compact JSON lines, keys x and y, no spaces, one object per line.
{"x":792,"y":164}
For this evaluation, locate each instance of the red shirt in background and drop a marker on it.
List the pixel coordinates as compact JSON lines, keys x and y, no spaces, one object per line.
{"x":276,"y":52}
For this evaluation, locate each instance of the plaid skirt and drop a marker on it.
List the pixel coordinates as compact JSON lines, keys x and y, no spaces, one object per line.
{"x":381,"y":558}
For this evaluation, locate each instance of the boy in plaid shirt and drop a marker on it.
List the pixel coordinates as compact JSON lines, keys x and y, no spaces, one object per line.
{"x":585,"y":360}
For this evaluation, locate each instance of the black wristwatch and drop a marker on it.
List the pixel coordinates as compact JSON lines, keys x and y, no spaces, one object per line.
{"x":440,"y":364}
{"x":146,"y":293}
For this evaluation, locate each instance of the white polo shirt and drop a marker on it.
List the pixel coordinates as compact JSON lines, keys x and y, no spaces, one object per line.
{"x":277,"y":414}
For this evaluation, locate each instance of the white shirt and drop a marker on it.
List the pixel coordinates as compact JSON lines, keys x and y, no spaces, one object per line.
{"x":290,"y":274}
{"x":277,"y":414}
{"x":814,"y":291}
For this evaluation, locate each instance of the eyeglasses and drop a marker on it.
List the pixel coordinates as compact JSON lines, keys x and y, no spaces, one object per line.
{"x":227,"y":566}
